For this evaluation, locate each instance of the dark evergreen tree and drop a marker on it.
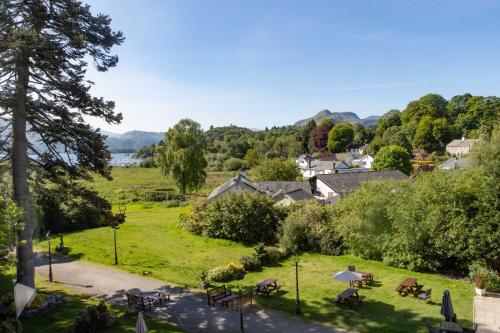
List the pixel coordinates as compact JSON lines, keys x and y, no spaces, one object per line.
{"x":44,"y":49}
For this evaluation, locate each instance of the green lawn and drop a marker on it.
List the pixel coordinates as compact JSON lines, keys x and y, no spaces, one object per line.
{"x":126,"y":180}
{"x":151,"y":241}
{"x":61,"y":318}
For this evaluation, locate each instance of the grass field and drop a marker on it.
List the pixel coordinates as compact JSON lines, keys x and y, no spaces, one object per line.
{"x":61,"y":318}
{"x":152,"y":243}
{"x":128,"y":180}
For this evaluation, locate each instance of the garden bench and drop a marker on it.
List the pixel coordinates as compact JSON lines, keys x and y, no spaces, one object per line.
{"x":217,"y":293}
{"x":409,"y":286}
{"x":138,"y":302}
{"x":349,"y":297}
{"x":425,"y":295}
{"x":267,"y":286}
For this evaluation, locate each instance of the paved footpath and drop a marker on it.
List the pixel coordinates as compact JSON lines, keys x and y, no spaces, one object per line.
{"x":188,"y":309}
{"x":487,"y":313}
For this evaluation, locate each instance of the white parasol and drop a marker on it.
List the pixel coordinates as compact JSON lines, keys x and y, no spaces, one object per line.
{"x":23,"y":296}
{"x":140,"y":326}
{"x":347,"y":276}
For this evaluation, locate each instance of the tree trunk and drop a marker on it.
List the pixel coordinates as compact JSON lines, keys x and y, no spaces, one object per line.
{"x":22,"y":196}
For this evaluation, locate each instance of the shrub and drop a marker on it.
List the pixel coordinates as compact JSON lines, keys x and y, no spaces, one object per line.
{"x":8,"y":320}
{"x":148,"y":162}
{"x":309,"y":227}
{"x":249,"y":218}
{"x":277,"y":169}
{"x":251,"y":263}
{"x":233,"y":164}
{"x":484,"y":278}
{"x":226,"y":273}
{"x":93,"y":319}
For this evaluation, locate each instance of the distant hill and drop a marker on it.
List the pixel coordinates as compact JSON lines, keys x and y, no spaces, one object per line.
{"x":340,"y":117}
{"x":132,"y":140}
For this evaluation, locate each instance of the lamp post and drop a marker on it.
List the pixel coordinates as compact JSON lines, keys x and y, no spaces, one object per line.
{"x":242,"y":327}
{"x":50,"y":257}
{"x":122,"y":209}
{"x":297,"y":299}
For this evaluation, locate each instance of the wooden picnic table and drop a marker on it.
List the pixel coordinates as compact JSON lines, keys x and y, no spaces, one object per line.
{"x":349,"y":297}
{"x":267,"y":286}
{"x":409,"y":286}
{"x":366,"y":278}
{"x":449,"y":326}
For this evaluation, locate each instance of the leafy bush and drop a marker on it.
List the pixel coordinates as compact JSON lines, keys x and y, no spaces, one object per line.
{"x":8,"y":319}
{"x":93,"y":319}
{"x":148,"y":162}
{"x":248,"y":218}
{"x":309,"y":227}
{"x":174,"y":203}
{"x":484,"y":278}
{"x":277,"y":169}
{"x":251,"y":263}
{"x":226,"y":273}
{"x":233,"y":164}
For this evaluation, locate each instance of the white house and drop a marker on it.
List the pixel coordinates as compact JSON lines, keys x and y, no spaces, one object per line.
{"x":312,"y":166}
{"x":364,"y":162}
{"x":330,"y":188}
{"x":357,"y":150}
{"x":460,"y":147}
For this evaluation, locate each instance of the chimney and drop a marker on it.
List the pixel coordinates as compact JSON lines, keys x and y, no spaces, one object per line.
{"x":334,"y":168}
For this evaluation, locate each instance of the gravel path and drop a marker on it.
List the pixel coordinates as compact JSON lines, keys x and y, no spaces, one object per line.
{"x":188,"y":309}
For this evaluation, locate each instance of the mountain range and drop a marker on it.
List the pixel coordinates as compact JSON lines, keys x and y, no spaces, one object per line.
{"x":131,"y":140}
{"x":340,"y":117}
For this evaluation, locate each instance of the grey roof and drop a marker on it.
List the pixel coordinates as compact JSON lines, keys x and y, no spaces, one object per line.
{"x":324,"y":164}
{"x":286,"y":186}
{"x":461,"y":143}
{"x":454,"y":163}
{"x":300,"y":194}
{"x":240,"y":178}
{"x":362,"y":145}
{"x":346,"y":182}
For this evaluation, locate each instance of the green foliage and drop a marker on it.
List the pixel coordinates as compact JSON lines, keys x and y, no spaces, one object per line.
{"x":395,"y":136}
{"x":309,"y":227}
{"x":441,"y":221}
{"x":249,"y":218}
{"x":8,"y":319}
{"x":277,"y":169}
{"x":390,"y":119}
{"x":339,"y":137}
{"x":305,"y":134}
{"x":94,"y":318}
{"x":484,"y":277}
{"x":251,"y":263}
{"x":233,"y":164}
{"x":225,"y":273}
{"x":10,"y":217}
{"x":269,"y":254}
{"x":182,"y":155}
{"x":392,"y":158}
{"x":431,"y":105}
{"x":432,"y":134}
{"x":148,"y":162}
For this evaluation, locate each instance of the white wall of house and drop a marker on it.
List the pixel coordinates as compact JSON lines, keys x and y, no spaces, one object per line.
{"x":325,"y":190}
{"x":286,"y":201}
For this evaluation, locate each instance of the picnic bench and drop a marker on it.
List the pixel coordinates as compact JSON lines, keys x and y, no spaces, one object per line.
{"x":216,"y":294}
{"x":267,"y":286}
{"x":140,"y":302}
{"x":366,"y":279}
{"x":409,"y":286}
{"x":349,"y":297}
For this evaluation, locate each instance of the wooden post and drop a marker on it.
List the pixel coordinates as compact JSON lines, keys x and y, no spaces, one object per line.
{"x":297,"y":299}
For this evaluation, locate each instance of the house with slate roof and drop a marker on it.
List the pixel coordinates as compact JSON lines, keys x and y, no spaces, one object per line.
{"x":311,"y":166}
{"x":460,"y":147}
{"x":454,"y":163}
{"x":330,"y":188}
{"x":284,"y":192}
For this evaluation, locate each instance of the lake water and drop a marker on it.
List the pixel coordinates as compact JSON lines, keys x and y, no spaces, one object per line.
{"x":119,"y":159}
{"x":122,"y":159}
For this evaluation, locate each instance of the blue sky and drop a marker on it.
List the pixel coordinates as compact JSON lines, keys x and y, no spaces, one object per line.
{"x":264,"y":63}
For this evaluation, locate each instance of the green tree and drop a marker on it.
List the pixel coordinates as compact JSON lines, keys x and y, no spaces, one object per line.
{"x":183,"y":155}
{"x":432,"y":134}
{"x":45,"y":48}
{"x":339,"y":137}
{"x":305,"y":135}
{"x":395,"y":136}
{"x":392,"y":158}
{"x":430,"y":105}
{"x":390,"y":119}
{"x":277,"y":169}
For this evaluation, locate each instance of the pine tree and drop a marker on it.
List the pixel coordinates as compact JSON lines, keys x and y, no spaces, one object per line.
{"x":44,"y":49}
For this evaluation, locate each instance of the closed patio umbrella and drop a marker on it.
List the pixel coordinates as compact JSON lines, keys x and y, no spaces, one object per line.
{"x":140,"y":326}
{"x":347,"y":276}
{"x":447,"y":307}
